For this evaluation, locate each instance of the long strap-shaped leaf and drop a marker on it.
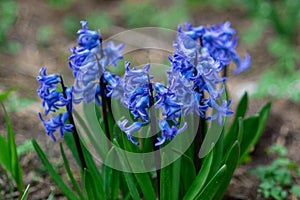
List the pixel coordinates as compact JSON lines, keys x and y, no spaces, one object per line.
{"x":15,"y":167}
{"x":55,"y":176}
{"x":4,"y":155}
{"x":70,"y":174}
{"x":91,"y":165}
{"x":201,"y":178}
{"x":129,"y":178}
{"x":24,"y":195}
{"x":231,"y":161}
{"x":213,"y":185}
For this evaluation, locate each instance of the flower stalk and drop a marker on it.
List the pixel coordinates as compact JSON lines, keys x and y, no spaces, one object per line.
{"x":75,"y":133}
{"x":157,"y":160}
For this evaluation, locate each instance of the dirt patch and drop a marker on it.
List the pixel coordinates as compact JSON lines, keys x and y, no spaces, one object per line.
{"x":20,"y":70}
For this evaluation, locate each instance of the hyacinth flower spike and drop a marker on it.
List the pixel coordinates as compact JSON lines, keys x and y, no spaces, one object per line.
{"x":54,"y":100}
{"x":221,"y":41}
{"x":89,"y":62}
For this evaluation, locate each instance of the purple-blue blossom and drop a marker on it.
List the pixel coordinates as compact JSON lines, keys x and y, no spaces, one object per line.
{"x":135,"y":126}
{"x":89,"y":62}
{"x":220,"y":111}
{"x":221,"y":41}
{"x":167,"y":132}
{"x":52,"y":100}
{"x":47,"y":82}
{"x":166,"y":99}
{"x":88,"y":39}
{"x":56,"y":123}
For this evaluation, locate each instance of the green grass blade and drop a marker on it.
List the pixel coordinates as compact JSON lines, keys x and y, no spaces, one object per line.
{"x":165,"y":181}
{"x":240,"y":112}
{"x":97,"y":134}
{"x":263,"y":117}
{"x":24,"y":196}
{"x":250,"y":129}
{"x":5,"y":94}
{"x":176,"y":179}
{"x":129,"y":177}
{"x":4,"y":155}
{"x":188,"y":173}
{"x":213,"y":185}
{"x":253,"y":128}
{"x":146,"y":186}
{"x":91,"y":137}
{"x":90,"y":186}
{"x":70,"y":173}
{"x":201,"y":178}
{"x":231,"y":161}
{"x":89,"y":161}
{"x":55,"y":176}
{"x":15,"y":169}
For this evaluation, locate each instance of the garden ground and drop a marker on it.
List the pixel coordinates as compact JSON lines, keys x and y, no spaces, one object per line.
{"x":19,"y":71}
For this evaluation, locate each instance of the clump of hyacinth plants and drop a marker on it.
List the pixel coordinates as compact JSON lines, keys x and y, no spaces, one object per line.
{"x":195,"y":89}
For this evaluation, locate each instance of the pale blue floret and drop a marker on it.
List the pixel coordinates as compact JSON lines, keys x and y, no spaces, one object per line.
{"x":89,"y":62}
{"x":53,"y":100}
{"x":58,"y":122}
{"x":167,"y":132}
{"x":221,"y":41}
{"x":220,"y":111}
{"x":165,"y":99}
{"x":47,"y":91}
{"x":135,"y":126}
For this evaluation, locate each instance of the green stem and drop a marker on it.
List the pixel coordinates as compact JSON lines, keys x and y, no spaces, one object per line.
{"x":75,"y":133}
{"x":153,"y":130}
{"x":104,"y":108}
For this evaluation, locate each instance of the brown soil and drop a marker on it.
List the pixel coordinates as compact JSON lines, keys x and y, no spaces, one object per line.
{"x":19,"y":70}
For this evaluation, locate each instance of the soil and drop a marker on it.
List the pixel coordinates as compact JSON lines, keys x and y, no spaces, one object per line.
{"x":19,"y":71}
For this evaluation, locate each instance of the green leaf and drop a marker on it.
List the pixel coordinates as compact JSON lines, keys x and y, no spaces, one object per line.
{"x":55,"y":176}
{"x":296,"y":190}
{"x":146,"y":186}
{"x":15,"y":169}
{"x":253,"y":128}
{"x":90,"y":186}
{"x":89,"y":161}
{"x":176,"y":179}
{"x":201,"y":178}
{"x":24,"y":196}
{"x":92,"y":129}
{"x":240,"y":112}
{"x":5,"y":94}
{"x":115,"y":184}
{"x":263,"y":117}
{"x":166,"y":180}
{"x":231,"y":161}
{"x":129,"y":178}
{"x":4,"y":155}
{"x":250,"y":129}
{"x":188,"y":173}
{"x":69,"y":171}
{"x":213,"y":185}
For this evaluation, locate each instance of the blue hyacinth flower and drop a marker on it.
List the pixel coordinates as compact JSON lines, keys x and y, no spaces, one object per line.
{"x":167,"y":132}
{"x":135,"y":126}
{"x":55,"y":123}
{"x":89,"y":62}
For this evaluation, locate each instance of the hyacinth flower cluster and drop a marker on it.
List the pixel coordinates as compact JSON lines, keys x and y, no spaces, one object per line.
{"x":54,"y":101}
{"x":89,"y":62}
{"x":194,"y":81}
